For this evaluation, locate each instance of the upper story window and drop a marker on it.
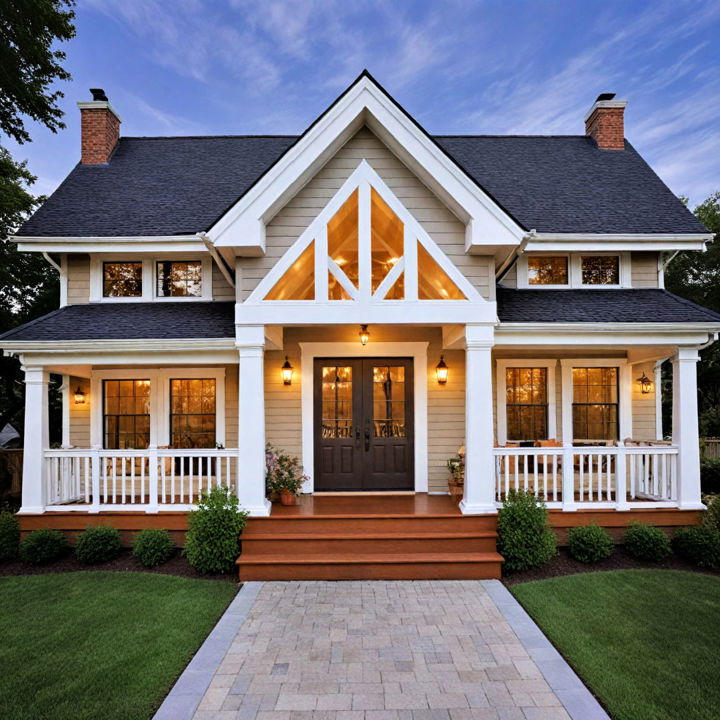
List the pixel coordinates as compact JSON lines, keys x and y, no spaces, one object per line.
{"x":574,"y":270}
{"x":179,"y":279}
{"x":122,"y":279}
{"x":547,"y":270}
{"x":600,"y":269}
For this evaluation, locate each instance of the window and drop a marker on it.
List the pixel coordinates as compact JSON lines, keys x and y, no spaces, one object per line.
{"x":179,"y":279}
{"x":526,"y":403}
{"x":122,"y":279}
{"x":547,"y":270}
{"x":600,"y":269}
{"x":192,"y":413}
{"x":126,"y":414}
{"x":595,"y":403}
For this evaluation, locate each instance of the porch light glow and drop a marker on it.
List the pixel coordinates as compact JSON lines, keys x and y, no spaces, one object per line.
{"x":79,"y":396}
{"x":287,"y":372}
{"x":364,"y":334}
{"x":646,"y":384}
{"x":441,"y":371}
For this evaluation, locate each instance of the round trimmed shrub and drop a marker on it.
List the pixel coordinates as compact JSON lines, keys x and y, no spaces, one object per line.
{"x":97,"y":544}
{"x":9,"y":536}
{"x":590,"y":544}
{"x":212,"y":542}
{"x":699,"y":544}
{"x":153,"y":547}
{"x":43,"y":546}
{"x":711,"y":516}
{"x":646,"y":542}
{"x":525,"y":539}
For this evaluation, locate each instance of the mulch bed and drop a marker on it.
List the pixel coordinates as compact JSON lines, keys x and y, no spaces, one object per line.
{"x":563,"y":564}
{"x":125,"y":562}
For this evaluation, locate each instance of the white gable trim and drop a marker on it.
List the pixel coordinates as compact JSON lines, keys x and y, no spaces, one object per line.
{"x":243,"y":226}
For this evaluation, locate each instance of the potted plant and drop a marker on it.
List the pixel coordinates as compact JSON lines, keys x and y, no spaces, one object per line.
{"x":456,"y":466}
{"x":284,"y":477}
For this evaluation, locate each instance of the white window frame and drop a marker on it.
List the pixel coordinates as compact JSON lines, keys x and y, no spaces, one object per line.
{"x":159,"y":399}
{"x":575,"y":270}
{"x":149,"y":289}
{"x":624,"y":394}
{"x":502,"y":364}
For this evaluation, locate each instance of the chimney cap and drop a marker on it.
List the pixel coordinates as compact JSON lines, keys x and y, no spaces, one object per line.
{"x":98,"y":95}
{"x":605,"y":96}
{"x":606,"y":101}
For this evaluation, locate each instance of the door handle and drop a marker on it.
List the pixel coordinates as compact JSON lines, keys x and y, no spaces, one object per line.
{"x":367,"y":439}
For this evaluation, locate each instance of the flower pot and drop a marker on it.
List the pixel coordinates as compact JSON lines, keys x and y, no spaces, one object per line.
{"x":456,"y":488}
{"x":287,"y":498}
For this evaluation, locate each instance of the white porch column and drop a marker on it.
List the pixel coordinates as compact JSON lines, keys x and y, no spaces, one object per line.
{"x":35,"y":440}
{"x":250,"y":342}
{"x":479,"y":494}
{"x":685,"y":427}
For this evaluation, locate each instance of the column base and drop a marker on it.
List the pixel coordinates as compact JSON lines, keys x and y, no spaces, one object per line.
{"x":29,"y":510}
{"x":692,"y":506}
{"x":262,"y":510}
{"x":467,"y":508}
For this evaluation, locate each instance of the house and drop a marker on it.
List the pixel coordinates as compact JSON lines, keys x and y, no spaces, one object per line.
{"x":368,"y":297}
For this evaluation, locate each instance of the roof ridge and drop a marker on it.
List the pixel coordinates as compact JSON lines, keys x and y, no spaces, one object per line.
{"x":509,"y":135}
{"x":203,"y":137}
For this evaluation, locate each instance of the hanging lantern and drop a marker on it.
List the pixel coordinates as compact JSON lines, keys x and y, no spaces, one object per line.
{"x":287,"y":372}
{"x":79,"y":396}
{"x":646,"y":384}
{"x":364,"y":334}
{"x":441,"y":371}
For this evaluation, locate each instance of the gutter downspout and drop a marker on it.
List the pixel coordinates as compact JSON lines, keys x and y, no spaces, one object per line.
{"x":513,"y":256}
{"x":219,"y":261}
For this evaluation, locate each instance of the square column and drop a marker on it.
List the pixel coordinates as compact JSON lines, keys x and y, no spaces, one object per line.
{"x":685,"y":432}
{"x":250,"y":342}
{"x":36,"y":439}
{"x":479,"y":495}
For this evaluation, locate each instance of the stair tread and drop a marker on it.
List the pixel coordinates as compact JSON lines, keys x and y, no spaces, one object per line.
{"x":370,"y":516}
{"x":365,"y":558}
{"x":370,"y":536}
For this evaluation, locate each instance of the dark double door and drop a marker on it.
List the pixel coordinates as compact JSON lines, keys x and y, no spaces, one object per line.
{"x":363,"y":421}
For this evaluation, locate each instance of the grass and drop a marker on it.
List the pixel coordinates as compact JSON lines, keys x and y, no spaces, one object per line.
{"x":99,"y":644}
{"x":644,"y":641}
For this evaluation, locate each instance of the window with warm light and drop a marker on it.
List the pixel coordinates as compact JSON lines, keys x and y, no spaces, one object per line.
{"x":298,"y":283}
{"x":600,"y":269}
{"x":595,"y":403}
{"x":122,"y":279}
{"x":547,"y":270}
{"x":192,"y":413}
{"x":387,"y":242}
{"x":526,"y":403}
{"x":126,"y":414}
{"x":179,"y":279}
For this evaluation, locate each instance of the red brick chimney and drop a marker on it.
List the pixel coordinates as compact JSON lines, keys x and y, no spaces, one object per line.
{"x":605,"y":123}
{"x":99,"y":129}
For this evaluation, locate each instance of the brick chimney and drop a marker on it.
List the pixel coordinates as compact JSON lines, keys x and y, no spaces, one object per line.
{"x":99,"y":129}
{"x":605,"y":123}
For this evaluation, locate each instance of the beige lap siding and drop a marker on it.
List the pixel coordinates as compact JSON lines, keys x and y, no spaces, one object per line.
{"x":643,"y":406}
{"x":80,"y":414}
{"x":644,"y":269}
{"x":78,"y":270}
{"x":439,"y":222}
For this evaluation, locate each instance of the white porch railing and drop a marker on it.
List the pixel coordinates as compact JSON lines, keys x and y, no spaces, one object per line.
{"x":91,"y":479}
{"x":590,"y":477}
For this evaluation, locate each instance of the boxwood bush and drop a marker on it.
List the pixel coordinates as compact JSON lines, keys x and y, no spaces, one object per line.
{"x":212,"y":541}
{"x":711,"y":517}
{"x":43,"y":546}
{"x":98,"y":544}
{"x":525,"y":539}
{"x":590,"y":543}
{"x":153,"y":547}
{"x":9,"y":535}
{"x":646,"y":542}
{"x":699,"y":544}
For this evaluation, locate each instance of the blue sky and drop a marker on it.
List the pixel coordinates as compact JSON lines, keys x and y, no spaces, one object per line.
{"x":190,"y":67}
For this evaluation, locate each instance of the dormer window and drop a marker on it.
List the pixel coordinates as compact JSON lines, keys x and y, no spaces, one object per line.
{"x":574,"y":270}
{"x":179,"y":279}
{"x":600,"y":269}
{"x":547,"y":270}
{"x":122,"y":279}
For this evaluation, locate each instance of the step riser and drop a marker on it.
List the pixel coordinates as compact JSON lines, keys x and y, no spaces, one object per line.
{"x":317,"y":546}
{"x":401,"y":571}
{"x":360,"y":525}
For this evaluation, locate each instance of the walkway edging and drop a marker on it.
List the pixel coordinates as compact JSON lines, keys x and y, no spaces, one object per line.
{"x":185,"y":696}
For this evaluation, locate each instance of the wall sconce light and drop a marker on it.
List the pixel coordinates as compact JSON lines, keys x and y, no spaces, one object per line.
{"x":287,"y":372}
{"x":79,"y":396}
{"x":441,"y":371}
{"x":364,"y":334}
{"x":646,"y":384}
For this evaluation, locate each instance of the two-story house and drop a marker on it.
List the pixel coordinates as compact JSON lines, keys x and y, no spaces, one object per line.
{"x":369,"y":297}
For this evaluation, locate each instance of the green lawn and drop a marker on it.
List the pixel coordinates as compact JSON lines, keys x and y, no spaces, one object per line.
{"x":99,"y":644}
{"x":646,"y":642}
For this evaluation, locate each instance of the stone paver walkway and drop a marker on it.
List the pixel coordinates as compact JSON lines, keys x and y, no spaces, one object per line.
{"x":372,"y":650}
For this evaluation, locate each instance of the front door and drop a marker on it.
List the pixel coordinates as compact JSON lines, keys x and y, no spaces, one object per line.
{"x":363,"y":424}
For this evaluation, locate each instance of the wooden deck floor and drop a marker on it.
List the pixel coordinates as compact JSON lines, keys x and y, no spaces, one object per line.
{"x":419,"y":504}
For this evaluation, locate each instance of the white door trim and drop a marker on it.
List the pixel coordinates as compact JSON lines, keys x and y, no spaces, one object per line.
{"x":415,"y":350}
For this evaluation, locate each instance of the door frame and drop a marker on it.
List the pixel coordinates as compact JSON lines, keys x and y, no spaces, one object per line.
{"x":415,"y":350}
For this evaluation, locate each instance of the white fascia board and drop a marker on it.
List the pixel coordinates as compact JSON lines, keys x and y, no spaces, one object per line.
{"x":243,"y":225}
{"x":140,"y":243}
{"x":586,"y":242}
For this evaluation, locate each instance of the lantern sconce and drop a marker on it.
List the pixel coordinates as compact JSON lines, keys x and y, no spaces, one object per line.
{"x":441,"y":371}
{"x":364,"y":334}
{"x":79,"y":396}
{"x":287,"y":372}
{"x":646,"y":384}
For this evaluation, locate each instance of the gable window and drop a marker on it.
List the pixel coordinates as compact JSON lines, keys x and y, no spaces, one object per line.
{"x":126,"y":414}
{"x":179,"y":278}
{"x":526,"y":403}
{"x":595,"y":403}
{"x":547,"y":270}
{"x":122,"y":279}
{"x":192,"y":413}
{"x":600,"y":269}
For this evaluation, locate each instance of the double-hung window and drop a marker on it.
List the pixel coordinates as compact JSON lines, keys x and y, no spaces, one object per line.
{"x":526,"y":403}
{"x":595,"y":406}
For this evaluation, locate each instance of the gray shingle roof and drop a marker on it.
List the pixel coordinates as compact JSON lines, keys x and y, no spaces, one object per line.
{"x":128,"y":321}
{"x":181,"y":185}
{"x":644,"y":306}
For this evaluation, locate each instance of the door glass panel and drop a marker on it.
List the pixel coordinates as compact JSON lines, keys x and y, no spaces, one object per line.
{"x":389,"y":401}
{"x":337,"y":407}
{"x":342,"y":236}
{"x":387,"y":233}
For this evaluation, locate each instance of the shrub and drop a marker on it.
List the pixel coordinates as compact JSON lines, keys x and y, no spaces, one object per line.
{"x":699,"y":544}
{"x":590,"y":544}
{"x":98,"y":544}
{"x":711,"y":517}
{"x":42,"y":546}
{"x":212,"y":541}
{"x":9,"y":536}
{"x":525,"y":538}
{"x":153,"y":547}
{"x":710,"y":475}
{"x":646,"y":542}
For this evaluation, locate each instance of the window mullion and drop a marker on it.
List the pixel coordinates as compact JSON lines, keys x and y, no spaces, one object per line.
{"x":364,"y":241}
